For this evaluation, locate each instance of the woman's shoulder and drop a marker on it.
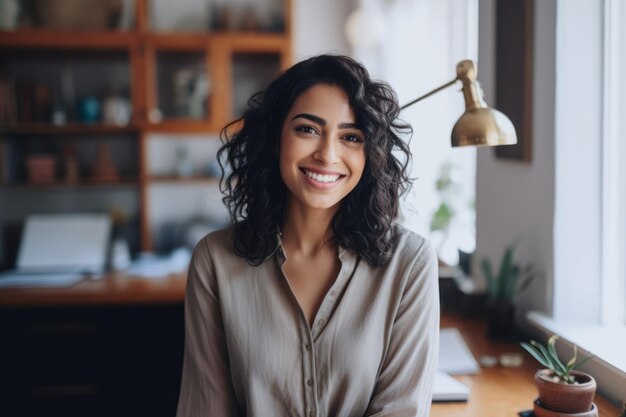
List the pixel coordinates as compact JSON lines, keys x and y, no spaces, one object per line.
{"x":216,"y":244}
{"x":413,"y":247}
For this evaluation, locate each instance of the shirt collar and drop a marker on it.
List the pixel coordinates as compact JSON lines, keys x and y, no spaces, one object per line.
{"x":279,"y":245}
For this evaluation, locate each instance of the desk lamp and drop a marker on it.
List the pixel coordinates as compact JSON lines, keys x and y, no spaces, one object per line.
{"x":479,"y":125}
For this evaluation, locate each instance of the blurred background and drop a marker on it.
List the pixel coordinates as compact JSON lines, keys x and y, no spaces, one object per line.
{"x":114,"y":107}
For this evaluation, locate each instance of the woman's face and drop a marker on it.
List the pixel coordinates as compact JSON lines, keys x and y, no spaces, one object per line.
{"x":322,"y":152}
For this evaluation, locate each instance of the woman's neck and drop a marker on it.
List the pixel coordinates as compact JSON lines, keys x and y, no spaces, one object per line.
{"x":307,"y":231}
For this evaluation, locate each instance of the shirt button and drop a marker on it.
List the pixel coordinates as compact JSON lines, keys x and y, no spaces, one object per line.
{"x":309,"y":382}
{"x":311,"y":413}
{"x":308,"y":347}
{"x":321,"y":322}
{"x":333,"y":293}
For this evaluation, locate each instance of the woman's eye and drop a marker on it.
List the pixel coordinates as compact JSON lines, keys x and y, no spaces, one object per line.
{"x":353,"y":138}
{"x":306,"y":129}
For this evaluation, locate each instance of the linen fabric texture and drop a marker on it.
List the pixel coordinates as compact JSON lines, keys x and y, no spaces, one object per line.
{"x":249,"y":350}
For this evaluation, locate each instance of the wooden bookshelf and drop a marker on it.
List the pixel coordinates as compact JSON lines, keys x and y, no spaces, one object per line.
{"x":67,"y":40}
{"x":149,"y":59}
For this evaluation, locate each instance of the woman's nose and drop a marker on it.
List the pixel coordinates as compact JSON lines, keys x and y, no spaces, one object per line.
{"x":327,"y":150}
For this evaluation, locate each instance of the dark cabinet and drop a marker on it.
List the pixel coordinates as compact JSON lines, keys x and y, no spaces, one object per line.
{"x":91,"y":360}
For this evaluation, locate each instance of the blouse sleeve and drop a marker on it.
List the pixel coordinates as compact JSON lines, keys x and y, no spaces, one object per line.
{"x":206,"y":388}
{"x":405,"y":383}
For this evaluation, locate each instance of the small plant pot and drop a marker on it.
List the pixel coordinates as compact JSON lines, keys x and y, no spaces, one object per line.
{"x":566,"y":398}
{"x":540,"y":411}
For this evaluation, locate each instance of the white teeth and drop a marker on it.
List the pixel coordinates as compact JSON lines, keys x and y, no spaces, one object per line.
{"x":321,"y":178}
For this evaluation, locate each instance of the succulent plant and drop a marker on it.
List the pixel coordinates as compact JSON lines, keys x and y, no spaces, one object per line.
{"x":546,"y":356}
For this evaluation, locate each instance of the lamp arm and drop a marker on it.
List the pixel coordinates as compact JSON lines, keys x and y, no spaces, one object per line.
{"x":436,"y":90}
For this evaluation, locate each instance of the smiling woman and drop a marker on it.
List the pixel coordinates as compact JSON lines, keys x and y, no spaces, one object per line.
{"x":314,"y":301}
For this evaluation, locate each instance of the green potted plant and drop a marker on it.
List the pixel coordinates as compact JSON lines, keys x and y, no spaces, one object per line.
{"x":562,"y":388}
{"x":502,"y":288}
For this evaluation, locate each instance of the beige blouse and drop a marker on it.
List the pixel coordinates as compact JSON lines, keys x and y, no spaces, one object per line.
{"x":249,"y":351}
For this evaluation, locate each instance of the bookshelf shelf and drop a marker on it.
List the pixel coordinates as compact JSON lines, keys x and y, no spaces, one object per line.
{"x":68,"y":129}
{"x":184,"y":180}
{"x":124,"y":183}
{"x":68,"y":40}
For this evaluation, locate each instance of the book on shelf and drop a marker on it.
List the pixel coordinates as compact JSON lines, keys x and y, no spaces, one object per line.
{"x":24,"y":101}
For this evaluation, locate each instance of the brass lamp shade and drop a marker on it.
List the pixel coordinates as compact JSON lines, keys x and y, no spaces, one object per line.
{"x":483,"y":127}
{"x":479,"y":125}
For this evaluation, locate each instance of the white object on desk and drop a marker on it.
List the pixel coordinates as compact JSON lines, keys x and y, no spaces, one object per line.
{"x":64,"y":242}
{"x":57,"y":250}
{"x":40,"y":280}
{"x":447,"y":388}
{"x":155,"y":267}
{"x":455,"y":357}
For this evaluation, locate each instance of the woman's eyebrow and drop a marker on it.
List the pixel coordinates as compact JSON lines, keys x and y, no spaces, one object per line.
{"x":310,"y":117}
{"x":322,"y":122}
{"x":348,"y":126}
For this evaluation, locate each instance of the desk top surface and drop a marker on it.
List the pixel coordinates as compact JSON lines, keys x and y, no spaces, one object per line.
{"x":113,"y":288}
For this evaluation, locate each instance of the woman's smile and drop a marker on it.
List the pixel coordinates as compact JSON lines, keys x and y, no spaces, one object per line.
{"x":322,"y":179}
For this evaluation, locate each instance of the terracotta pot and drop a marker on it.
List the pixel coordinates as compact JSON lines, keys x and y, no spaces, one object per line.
{"x":541,"y":411}
{"x":566,"y":398}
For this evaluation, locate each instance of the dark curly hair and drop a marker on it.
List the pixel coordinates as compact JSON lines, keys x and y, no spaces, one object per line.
{"x":255,"y":193}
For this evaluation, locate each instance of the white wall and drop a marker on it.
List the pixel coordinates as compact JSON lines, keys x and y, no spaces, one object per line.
{"x":516,"y":200}
{"x":318,"y":27}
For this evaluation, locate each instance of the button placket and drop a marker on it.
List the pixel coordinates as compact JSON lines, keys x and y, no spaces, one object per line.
{"x":309,"y":370}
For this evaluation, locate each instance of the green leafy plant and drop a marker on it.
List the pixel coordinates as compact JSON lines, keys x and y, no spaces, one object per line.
{"x":512,"y":279}
{"x":442,"y":218}
{"x":546,"y":356}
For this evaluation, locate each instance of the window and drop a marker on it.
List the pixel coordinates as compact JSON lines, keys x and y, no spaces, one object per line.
{"x":589,"y":231}
{"x":589,"y":288}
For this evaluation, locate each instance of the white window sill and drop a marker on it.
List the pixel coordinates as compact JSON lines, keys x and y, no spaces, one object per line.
{"x":606,"y":343}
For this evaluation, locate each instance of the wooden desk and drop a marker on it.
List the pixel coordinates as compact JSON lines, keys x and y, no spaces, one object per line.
{"x":113,"y":288}
{"x":497,"y":392}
